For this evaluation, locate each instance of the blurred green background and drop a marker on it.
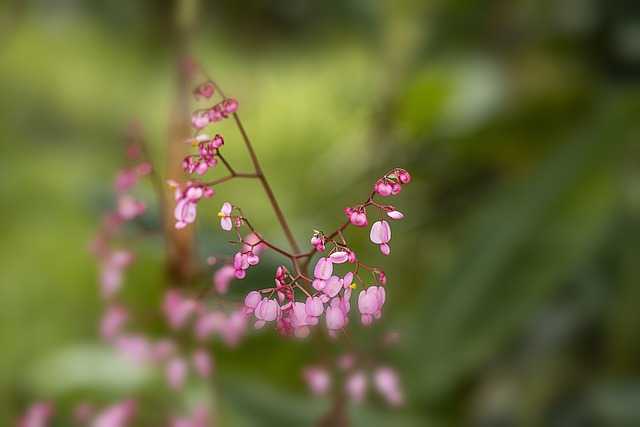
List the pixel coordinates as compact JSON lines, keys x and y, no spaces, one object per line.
{"x":514,"y":279}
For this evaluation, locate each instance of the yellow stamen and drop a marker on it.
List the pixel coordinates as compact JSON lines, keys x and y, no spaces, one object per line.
{"x":194,"y":143}
{"x":222,"y":215}
{"x":352,"y":286}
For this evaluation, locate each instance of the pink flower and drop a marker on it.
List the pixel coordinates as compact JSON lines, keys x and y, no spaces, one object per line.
{"x":37,"y":415}
{"x":339,"y":257}
{"x":125,"y":179}
{"x":223,"y":277}
{"x":358,"y":217}
{"x":204,"y":90}
{"x":370,"y":303}
{"x":318,"y":241}
{"x":199,"y":121}
{"x":117,"y":415}
{"x":251,"y":301}
{"x":332,"y":286}
{"x":135,"y":347}
{"x":177,"y":310}
{"x":267,"y":310}
{"x":381,"y":234}
{"x":356,"y":386}
{"x":230,"y":105}
{"x":387,"y":383}
{"x":225,"y":221}
{"x":202,"y":363}
{"x":323,"y":269}
{"x":187,"y":198}
{"x":184,"y":213}
{"x":129,"y":208}
{"x":394,"y":214}
{"x":112,"y":321}
{"x":336,"y":316}
{"x":299,"y":319}
{"x":209,"y":323}
{"x":176,"y":371}
{"x":383,"y":187}
{"x":199,"y":418}
{"x":318,"y":380}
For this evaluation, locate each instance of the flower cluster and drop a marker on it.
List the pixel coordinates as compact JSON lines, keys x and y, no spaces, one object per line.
{"x":187,"y":199}
{"x":325,"y":293}
{"x":201,"y":118}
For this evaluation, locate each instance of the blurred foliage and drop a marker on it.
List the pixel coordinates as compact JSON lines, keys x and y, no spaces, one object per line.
{"x":514,"y":278}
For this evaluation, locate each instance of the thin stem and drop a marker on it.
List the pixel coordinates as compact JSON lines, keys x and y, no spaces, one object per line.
{"x":267,"y":187}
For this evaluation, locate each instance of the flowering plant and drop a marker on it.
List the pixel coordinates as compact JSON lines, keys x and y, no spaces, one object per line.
{"x":304,"y":296}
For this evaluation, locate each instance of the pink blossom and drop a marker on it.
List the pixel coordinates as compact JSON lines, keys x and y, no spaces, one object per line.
{"x":199,"y":418}
{"x":299,"y":322}
{"x":204,"y":90}
{"x":112,"y":321}
{"x":144,"y":168}
{"x":358,"y":217}
{"x":394,"y":214}
{"x":403,"y":176}
{"x":162,"y":349}
{"x":223,"y":277}
{"x":383,"y":187}
{"x":200,"y":121}
{"x":313,"y":306}
{"x":37,"y":415}
{"x":381,"y":234}
{"x":336,"y":316}
{"x":356,"y":386}
{"x":332,"y":286}
{"x":209,"y":323}
{"x":387,"y":383}
{"x":111,"y":273}
{"x":176,"y":371}
{"x":317,"y":379}
{"x":202,"y":363}
{"x":177,"y":310}
{"x":135,"y":347}
{"x":129,"y":208}
{"x":267,"y":310}
{"x":117,"y":415}
{"x":318,"y":240}
{"x":240,"y":265}
{"x":370,"y":302}
{"x":225,"y":221}
{"x":217,"y":141}
{"x":339,"y":257}
{"x":125,"y":179}
{"x":323,"y":269}
{"x":251,"y":301}
{"x":231,"y":105}
{"x":187,"y":198}
{"x":235,"y":327}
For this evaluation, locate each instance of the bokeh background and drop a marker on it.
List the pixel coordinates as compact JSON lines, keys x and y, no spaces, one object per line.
{"x":515,"y":277}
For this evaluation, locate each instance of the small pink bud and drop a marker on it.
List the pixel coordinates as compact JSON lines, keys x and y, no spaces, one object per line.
{"x":231,"y":105}
{"x":394,"y":214}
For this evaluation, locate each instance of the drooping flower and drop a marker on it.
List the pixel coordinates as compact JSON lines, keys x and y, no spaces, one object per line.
{"x":225,"y":220}
{"x":387,"y":383}
{"x":370,"y":302}
{"x":317,"y":379}
{"x":356,"y":386}
{"x":381,"y":234}
{"x":117,"y":415}
{"x":176,"y":372}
